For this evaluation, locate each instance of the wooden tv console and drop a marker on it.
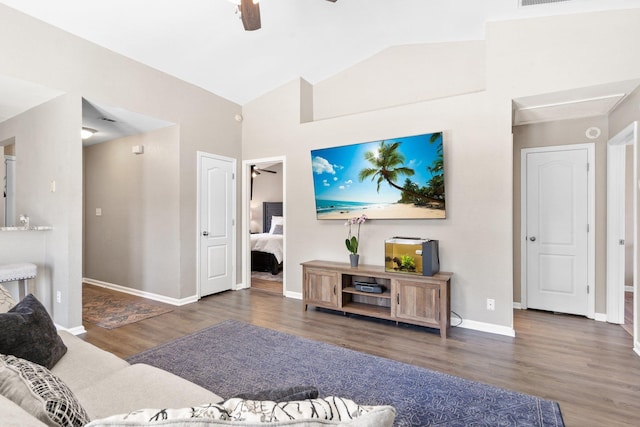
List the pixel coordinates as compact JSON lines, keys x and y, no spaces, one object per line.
{"x":408,"y":298}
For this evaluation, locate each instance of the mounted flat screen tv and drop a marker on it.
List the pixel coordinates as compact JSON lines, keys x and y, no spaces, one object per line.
{"x":399,"y":178}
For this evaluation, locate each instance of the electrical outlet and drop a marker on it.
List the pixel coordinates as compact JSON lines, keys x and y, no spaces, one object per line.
{"x":491,"y":304}
{"x":58,"y":297}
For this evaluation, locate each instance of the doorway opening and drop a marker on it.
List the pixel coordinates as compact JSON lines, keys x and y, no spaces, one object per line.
{"x":264,"y":225}
{"x":622,"y":212}
{"x":573,"y":116}
{"x":130,"y":199}
{"x":9,"y":187}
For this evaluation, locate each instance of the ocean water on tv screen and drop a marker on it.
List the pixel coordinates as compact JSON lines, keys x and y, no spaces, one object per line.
{"x":328,"y":206}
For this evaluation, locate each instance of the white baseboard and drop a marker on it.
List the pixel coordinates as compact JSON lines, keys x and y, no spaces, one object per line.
{"x":637,"y":349}
{"x":78,"y":330}
{"x":136,"y":292}
{"x":628,"y":288}
{"x":467,"y":324}
{"x":487,"y":327}
{"x":600,"y":317}
{"x":293,"y":295}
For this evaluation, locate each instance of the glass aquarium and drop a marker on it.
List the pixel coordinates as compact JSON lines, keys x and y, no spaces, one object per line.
{"x":411,"y":255}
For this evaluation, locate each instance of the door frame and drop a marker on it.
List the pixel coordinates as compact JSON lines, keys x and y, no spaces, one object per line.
{"x":616,"y":156}
{"x":246,"y":219}
{"x":591,"y":253}
{"x":9,"y":208}
{"x":199,"y":156}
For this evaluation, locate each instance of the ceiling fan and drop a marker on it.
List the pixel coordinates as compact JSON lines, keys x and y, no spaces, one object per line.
{"x":254,"y":173}
{"x":257,"y":171}
{"x":250,"y":14}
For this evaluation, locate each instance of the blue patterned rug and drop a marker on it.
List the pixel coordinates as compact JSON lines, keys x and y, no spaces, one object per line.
{"x":235,"y":357}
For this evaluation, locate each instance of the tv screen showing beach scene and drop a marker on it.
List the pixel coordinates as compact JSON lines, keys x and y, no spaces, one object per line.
{"x":399,"y":178}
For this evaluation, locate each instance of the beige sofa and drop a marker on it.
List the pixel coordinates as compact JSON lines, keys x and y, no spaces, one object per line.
{"x":106,"y":385}
{"x":85,"y":384}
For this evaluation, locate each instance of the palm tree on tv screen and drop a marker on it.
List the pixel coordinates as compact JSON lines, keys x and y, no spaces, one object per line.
{"x":388,"y":165}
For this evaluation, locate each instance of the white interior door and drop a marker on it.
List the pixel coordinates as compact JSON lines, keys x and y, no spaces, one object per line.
{"x":557,"y":230}
{"x":216,"y":223}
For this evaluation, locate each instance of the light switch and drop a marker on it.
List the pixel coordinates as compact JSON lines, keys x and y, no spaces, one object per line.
{"x":98,"y":211}
{"x":52,"y":186}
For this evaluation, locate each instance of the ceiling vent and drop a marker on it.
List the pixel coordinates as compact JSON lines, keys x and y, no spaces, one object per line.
{"x":537,"y":2}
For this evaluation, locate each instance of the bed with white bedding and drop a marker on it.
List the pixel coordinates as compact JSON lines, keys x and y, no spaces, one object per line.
{"x":267,"y":248}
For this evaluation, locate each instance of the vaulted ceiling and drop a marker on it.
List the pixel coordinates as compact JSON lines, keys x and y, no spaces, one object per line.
{"x":203,"y":41}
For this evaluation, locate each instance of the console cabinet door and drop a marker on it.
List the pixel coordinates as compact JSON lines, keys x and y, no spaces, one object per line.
{"x":321,"y":287}
{"x":415,"y":302}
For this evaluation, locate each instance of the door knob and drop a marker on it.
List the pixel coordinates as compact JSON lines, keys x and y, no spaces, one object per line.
{"x":532,"y":238}
{"x":205,"y":233}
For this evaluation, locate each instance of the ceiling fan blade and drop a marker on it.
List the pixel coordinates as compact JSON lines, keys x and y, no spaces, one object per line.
{"x":332,"y":1}
{"x":250,"y":13}
{"x":267,"y":170}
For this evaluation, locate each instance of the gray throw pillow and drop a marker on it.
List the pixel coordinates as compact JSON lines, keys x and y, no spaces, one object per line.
{"x":29,"y":333}
{"x":277,"y":229}
{"x":40,"y":393}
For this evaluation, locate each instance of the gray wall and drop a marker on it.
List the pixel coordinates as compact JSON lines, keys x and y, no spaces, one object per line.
{"x":136,"y":241}
{"x":45,"y":55}
{"x":521,"y":58}
{"x":387,"y":78}
{"x":564,"y":132}
{"x":48,"y":148}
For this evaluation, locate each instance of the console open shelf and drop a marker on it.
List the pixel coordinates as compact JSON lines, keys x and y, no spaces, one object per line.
{"x":407,"y":298}
{"x":352,"y":290}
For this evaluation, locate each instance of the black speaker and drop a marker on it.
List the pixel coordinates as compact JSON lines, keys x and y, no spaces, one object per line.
{"x":430,"y":258}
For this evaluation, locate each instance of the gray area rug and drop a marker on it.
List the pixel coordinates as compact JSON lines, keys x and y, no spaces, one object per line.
{"x":235,"y":357}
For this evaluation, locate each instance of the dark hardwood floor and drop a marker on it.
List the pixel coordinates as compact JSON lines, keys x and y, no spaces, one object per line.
{"x":628,"y":312}
{"x":266,"y":285}
{"x":588,"y":367}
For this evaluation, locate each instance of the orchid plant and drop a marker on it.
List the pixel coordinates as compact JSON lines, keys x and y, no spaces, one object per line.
{"x":353,"y":240}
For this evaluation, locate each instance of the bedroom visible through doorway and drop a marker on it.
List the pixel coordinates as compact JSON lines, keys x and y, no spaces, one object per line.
{"x":265,"y":211}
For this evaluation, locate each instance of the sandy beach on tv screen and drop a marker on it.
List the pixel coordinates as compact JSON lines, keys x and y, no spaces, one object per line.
{"x":392,"y":211}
